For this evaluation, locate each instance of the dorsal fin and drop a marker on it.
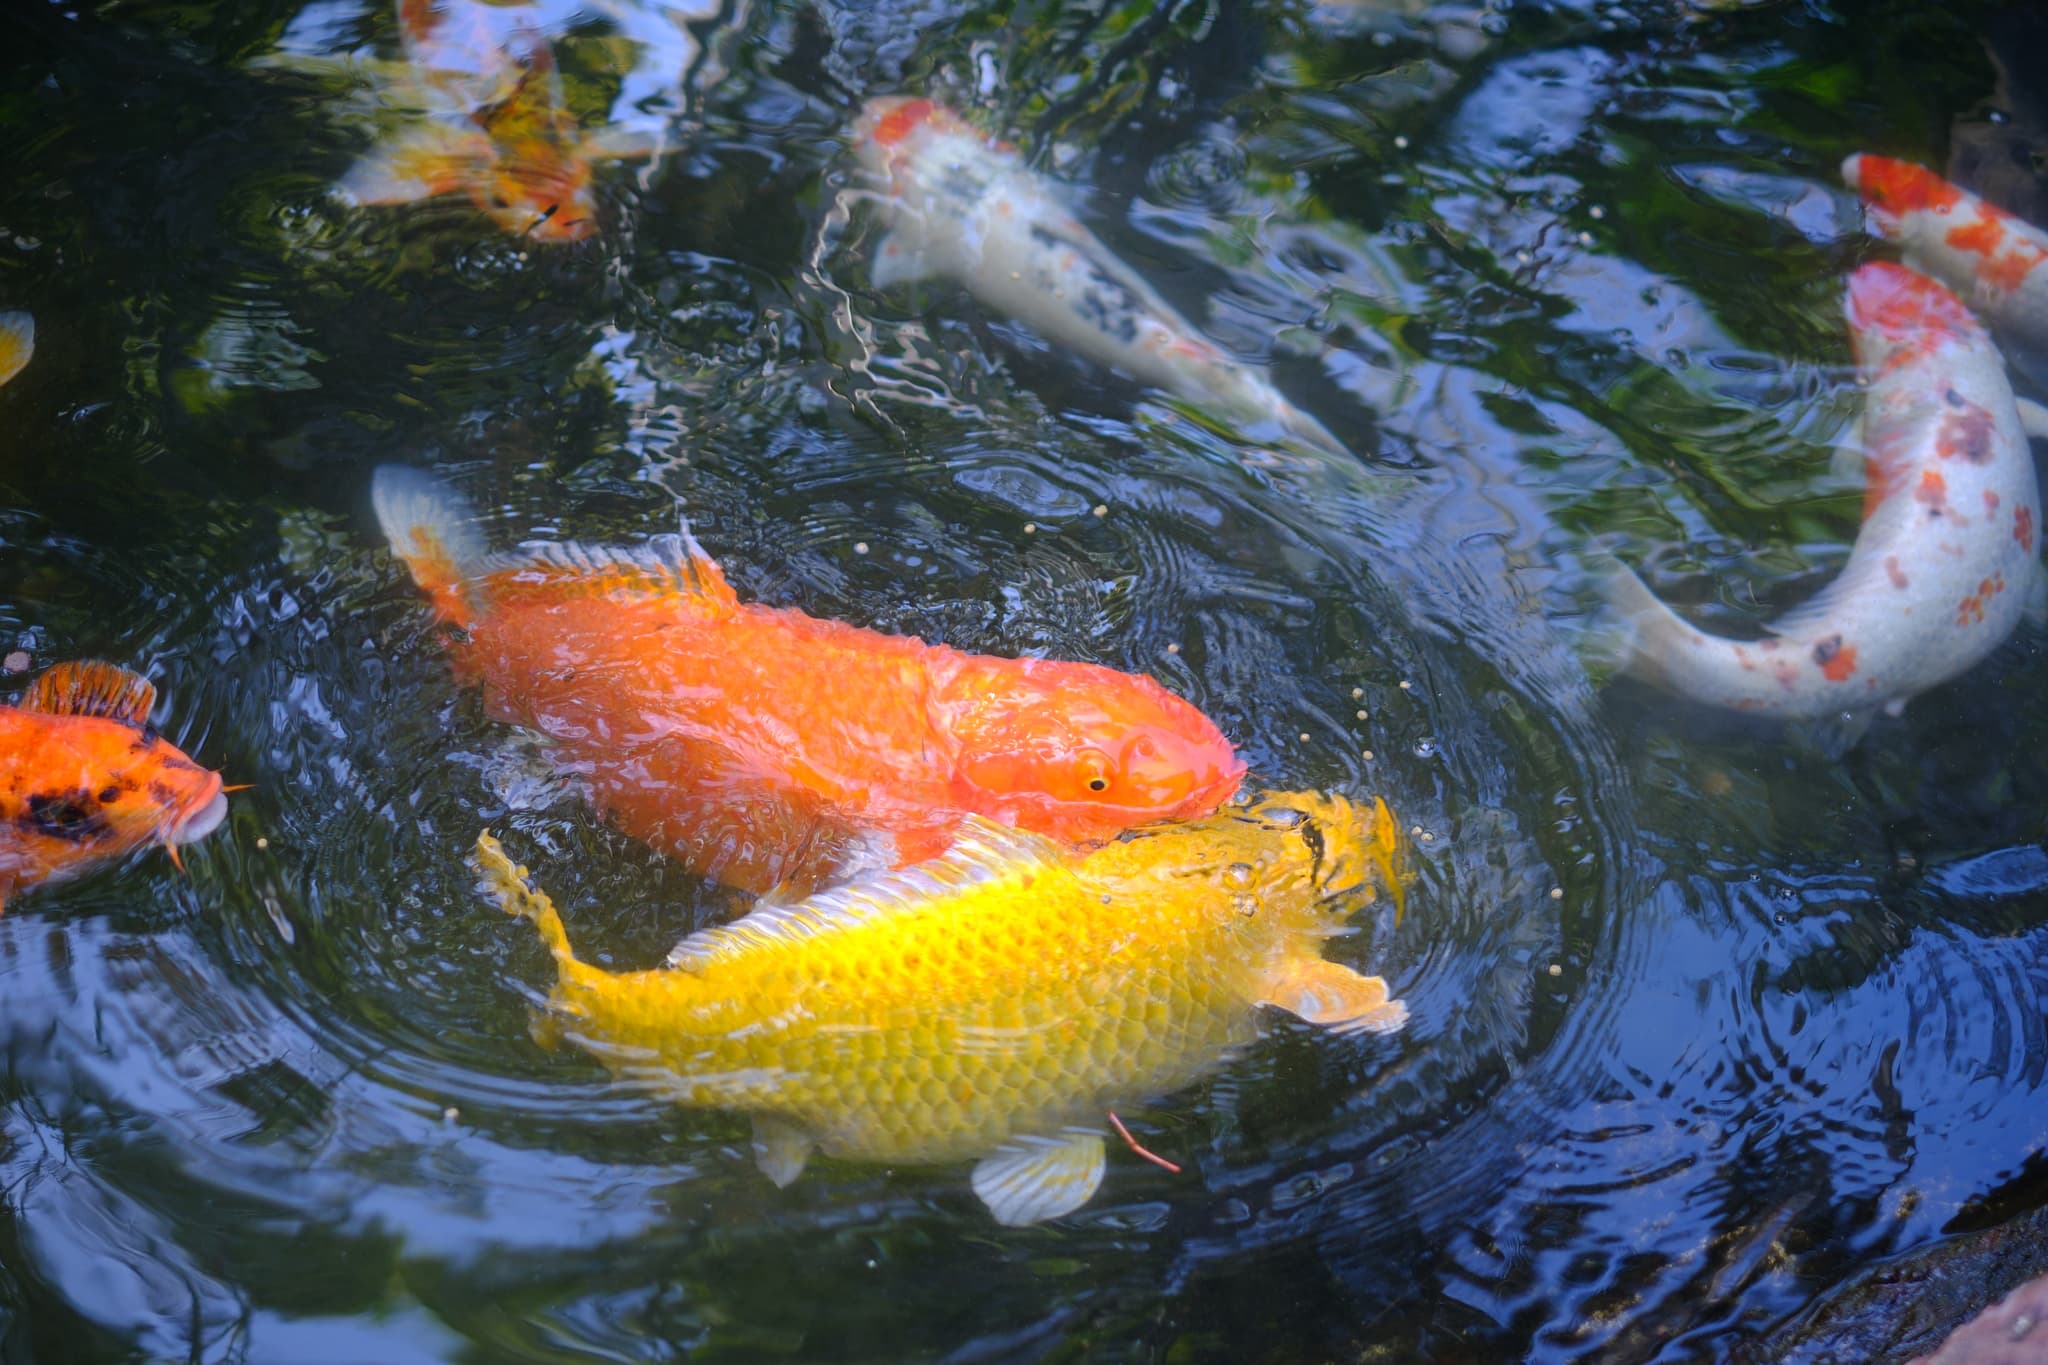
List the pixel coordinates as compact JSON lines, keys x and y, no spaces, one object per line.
{"x":92,"y":687}
{"x":983,"y":852}
{"x":663,"y":566}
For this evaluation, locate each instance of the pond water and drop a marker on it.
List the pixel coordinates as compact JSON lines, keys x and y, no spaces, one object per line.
{"x":1705,"y":1015}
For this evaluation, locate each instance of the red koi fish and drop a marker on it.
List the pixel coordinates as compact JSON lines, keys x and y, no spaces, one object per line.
{"x":496,"y":125}
{"x":1992,"y":259}
{"x":84,"y":777}
{"x":770,"y":749}
{"x":1945,"y":563}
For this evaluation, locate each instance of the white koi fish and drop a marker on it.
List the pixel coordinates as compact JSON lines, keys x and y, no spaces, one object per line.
{"x":965,"y":207}
{"x":1997,"y":262}
{"x":1945,"y":563}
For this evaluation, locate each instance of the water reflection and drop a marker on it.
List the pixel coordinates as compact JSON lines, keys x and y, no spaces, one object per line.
{"x":1702,"y":1021}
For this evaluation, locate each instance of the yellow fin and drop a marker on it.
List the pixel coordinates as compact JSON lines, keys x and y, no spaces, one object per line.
{"x":781,"y":1148}
{"x":665,"y":565}
{"x":983,"y":851}
{"x":1384,"y":848}
{"x":506,"y":882}
{"x":1029,"y":1179}
{"x":92,"y":687}
{"x":1324,"y":992}
{"x":17,"y":343}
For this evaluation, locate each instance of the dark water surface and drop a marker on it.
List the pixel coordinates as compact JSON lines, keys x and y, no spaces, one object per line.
{"x":1703,"y":1019}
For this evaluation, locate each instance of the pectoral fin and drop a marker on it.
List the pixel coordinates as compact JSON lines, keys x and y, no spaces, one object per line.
{"x":1029,"y":1179}
{"x":781,"y":1148}
{"x":899,"y":259}
{"x":1324,"y":992}
{"x":417,"y":163}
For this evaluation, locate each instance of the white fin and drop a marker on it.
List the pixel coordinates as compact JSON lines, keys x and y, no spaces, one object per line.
{"x":1847,"y":464}
{"x":982,"y":852}
{"x":662,"y":564}
{"x":781,"y":1147}
{"x":1639,"y":632}
{"x":898,"y":261}
{"x":1029,"y":1179}
{"x":1833,"y":736}
{"x":615,"y":143}
{"x":17,"y":343}
{"x":418,"y":163}
{"x":411,"y":501}
{"x":2033,"y":418}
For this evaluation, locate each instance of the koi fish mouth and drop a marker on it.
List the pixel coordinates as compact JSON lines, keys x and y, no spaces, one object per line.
{"x":201,"y":822}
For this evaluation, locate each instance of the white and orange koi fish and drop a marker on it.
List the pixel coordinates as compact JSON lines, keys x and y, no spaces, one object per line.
{"x":963,"y":206}
{"x":1998,"y":263}
{"x":494,"y":124}
{"x":1945,"y":563}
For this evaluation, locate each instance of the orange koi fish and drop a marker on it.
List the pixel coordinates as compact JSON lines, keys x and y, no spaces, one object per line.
{"x":495,"y":126}
{"x":992,"y":1004}
{"x":767,"y":748}
{"x":84,"y":777}
{"x":17,"y":343}
{"x":1945,"y":563}
{"x":1998,"y":263}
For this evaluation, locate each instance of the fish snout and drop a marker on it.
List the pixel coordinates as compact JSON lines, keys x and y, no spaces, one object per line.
{"x":201,"y":816}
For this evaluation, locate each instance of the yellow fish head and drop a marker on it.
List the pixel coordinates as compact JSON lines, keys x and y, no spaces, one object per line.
{"x":1340,"y":852}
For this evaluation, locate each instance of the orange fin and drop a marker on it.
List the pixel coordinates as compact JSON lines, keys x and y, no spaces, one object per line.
{"x":91,"y":687}
{"x":17,"y":343}
{"x":665,"y":566}
{"x":1324,"y":992}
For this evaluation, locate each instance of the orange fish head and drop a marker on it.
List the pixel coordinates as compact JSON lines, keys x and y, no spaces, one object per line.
{"x":104,"y":788}
{"x":1892,"y":189}
{"x":1895,"y":312}
{"x":1081,"y":752}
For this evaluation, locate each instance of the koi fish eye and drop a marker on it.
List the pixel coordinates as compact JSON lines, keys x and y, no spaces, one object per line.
{"x":1095,"y":770}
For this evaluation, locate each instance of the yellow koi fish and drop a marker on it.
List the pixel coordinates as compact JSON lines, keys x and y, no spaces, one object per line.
{"x":994,"y":1003}
{"x":17,"y":343}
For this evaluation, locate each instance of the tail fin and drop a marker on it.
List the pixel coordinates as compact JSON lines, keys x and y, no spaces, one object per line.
{"x":1639,"y":633}
{"x":433,"y":529}
{"x":506,"y":882}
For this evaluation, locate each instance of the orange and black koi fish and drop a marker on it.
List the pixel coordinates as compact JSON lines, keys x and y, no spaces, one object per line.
{"x":85,"y":777}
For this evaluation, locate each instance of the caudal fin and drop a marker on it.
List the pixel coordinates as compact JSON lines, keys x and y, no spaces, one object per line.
{"x":1640,"y":635}
{"x":433,"y":529}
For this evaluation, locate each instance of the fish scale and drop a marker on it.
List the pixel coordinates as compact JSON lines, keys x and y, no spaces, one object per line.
{"x":1003,"y":993}
{"x":770,"y":749}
